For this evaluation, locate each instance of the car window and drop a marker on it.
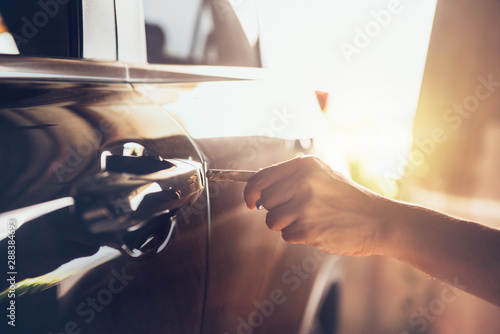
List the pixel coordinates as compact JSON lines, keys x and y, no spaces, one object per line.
{"x":202,"y":32}
{"x":47,"y":28}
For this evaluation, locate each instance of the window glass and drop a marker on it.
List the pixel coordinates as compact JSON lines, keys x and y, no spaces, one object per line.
{"x":203,"y":32}
{"x":40,"y":28}
{"x":7,"y":42}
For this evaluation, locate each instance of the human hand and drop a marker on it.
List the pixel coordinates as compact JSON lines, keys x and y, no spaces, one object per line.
{"x":314,"y":205}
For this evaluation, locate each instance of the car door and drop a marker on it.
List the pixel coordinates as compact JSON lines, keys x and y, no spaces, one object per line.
{"x":95,"y":181}
{"x":240,"y":118}
{"x":117,"y":228}
{"x":84,"y":153}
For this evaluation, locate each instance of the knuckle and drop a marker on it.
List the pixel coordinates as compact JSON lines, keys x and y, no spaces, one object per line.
{"x":305,"y":186}
{"x":288,"y":235}
{"x":307,"y":211}
{"x":271,"y":221}
{"x":311,"y":160}
{"x":293,"y":234}
{"x":303,"y":217}
{"x":265,"y":198}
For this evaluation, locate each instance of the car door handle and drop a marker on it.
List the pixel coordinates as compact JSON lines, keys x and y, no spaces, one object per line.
{"x":131,"y":191}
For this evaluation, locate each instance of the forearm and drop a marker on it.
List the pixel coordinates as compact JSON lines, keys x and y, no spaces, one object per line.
{"x":314,"y":205}
{"x":448,"y":248}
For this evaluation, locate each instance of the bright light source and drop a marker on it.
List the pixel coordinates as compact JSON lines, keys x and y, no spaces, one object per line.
{"x":370,"y":56}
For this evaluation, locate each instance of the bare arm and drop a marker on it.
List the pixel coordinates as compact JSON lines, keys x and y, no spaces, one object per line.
{"x":312,"y":204}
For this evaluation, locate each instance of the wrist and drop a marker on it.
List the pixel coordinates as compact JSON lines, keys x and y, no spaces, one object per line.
{"x":392,"y":223}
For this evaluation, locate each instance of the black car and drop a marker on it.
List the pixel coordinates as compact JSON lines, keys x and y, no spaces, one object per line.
{"x":109,"y":122}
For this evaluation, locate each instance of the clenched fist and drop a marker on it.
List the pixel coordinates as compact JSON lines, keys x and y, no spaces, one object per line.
{"x":314,"y":205}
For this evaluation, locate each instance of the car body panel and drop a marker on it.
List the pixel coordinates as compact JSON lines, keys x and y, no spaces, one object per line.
{"x":189,"y":257}
{"x":67,"y":126}
{"x":56,"y":140}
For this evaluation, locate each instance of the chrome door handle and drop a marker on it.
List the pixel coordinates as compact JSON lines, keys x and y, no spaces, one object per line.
{"x":131,"y":191}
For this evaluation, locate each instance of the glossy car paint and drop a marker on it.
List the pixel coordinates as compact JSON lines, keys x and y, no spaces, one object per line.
{"x":56,"y":140}
{"x":222,"y":272}
{"x":252,"y":124}
{"x":108,"y":246}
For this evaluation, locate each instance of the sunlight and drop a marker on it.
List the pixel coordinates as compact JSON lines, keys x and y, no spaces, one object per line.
{"x":370,"y":56}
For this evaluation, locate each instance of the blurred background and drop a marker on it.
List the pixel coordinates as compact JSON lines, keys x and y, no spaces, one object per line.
{"x":413,"y":104}
{"x":414,"y":107}
{"x":369,"y":56}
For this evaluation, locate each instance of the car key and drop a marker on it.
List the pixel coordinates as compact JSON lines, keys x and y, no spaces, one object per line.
{"x":221,"y":175}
